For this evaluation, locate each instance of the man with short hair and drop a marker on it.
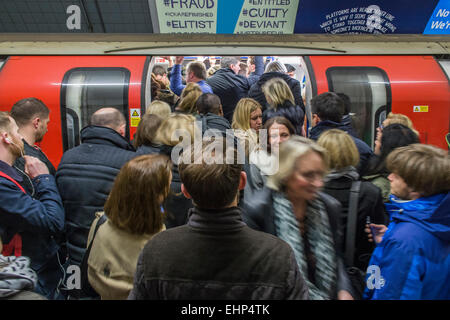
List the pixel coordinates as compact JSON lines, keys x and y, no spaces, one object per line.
{"x":255,"y":69}
{"x":327,"y":110}
{"x":216,"y":255}
{"x":29,"y":226}
{"x":412,"y":260}
{"x":195,"y":72}
{"x":228,"y":85}
{"x":211,"y":114}
{"x":160,"y":73}
{"x":86,"y":173}
{"x":32,"y":117}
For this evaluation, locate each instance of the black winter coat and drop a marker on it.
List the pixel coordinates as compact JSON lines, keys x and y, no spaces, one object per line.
{"x":370,"y":204}
{"x":85,"y":177}
{"x":294,"y":114}
{"x":230,"y":88}
{"x":216,"y":256}
{"x":258,"y":214}
{"x":256,"y":93}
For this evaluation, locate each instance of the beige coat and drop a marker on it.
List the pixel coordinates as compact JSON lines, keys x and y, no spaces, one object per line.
{"x":113,"y":259}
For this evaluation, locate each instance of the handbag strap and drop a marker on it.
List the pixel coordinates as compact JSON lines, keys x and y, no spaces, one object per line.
{"x":351,"y":223}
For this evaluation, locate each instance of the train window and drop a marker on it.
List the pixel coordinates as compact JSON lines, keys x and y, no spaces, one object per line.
{"x":84,"y":91}
{"x":370,"y":95}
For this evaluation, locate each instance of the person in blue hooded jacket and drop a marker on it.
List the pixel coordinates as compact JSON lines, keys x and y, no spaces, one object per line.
{"x":412,"y":261}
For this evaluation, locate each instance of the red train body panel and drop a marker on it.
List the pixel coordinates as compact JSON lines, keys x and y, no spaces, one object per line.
{"x":411,"y":81}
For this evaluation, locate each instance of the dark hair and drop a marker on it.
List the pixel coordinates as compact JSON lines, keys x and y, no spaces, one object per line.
{"x":280,"y":120}
{"x":208,"y":102}
{"x":26,"y":109}
{"x":328,"y":106}
{"x":243,"y":69}
{"x":159,"y":70}
{"x":134,"y":204}
{"x":394,"y":136}
{"x":211,"y":185}
{"x":289,"y":67}
{"x":347,"y":103}
{"x":198,"y":68}
{"x":146,"y":130}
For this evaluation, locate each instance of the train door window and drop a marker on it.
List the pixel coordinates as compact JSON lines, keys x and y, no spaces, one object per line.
{"x":370,"y":95}
{"x":84,"y":91}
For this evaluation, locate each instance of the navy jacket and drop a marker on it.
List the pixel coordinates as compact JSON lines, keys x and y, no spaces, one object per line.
{"x":364,"y":150}
{"x":85,"y":176}
{"x":40,"y":222}
{"x":256,"y":93}
{"x":293,"y":113}
{"x":177,"y":86}
{"x":230,"y":88}
{"x":414,"y":256}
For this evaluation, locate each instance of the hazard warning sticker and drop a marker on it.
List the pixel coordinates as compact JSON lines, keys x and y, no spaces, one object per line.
{"x":135,"y":117}
{"x":420,"y":108}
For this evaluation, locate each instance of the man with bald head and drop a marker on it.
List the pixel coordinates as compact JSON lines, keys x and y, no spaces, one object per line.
{"x":86,"y":173}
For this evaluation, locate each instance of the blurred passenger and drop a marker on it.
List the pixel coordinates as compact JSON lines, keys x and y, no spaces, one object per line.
{"x":347,"y":120}
{"x":412,"y":261}
{"x":292,"y":208}
{"x":134,"y":216}
{"x":228,"y":85}
{"x":282,"y":104}
{"x":29,"y":226}
{"x":342,"y":160}
{"x":327,"y":109}
{"x":159,"y":108}
{"x":144,"y":141}
{"x":243,"y":70}
{"x":32,"y":117}
{"x":188,"y":98}
{"x":247,"y":120}
{"x":216,"y":256}
{"x":160,"y":73}
{"x":290,"y":70}
{"x":210,"y":113}
{"x":255,"y":68}
{"x":212,"y":70}
{"x":276,"y":69}
{"x":178,"y":129}
{"x":391,"y":119}
{"x":392,"y":137}
{"x":86,"y":174}
{"x":161,"y":92}
{"x":195,"y":72}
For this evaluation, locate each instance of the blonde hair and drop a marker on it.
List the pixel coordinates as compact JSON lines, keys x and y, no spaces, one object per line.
{"x":402,"y":119}
{"x":341,"y":148}
{"x":290,"y":151}
{"x":424,"y":168}
{"x":278,"y":91}
{"x":159,"y":108}
{"x":189,"y":97}
{"x":212,"y":70}
{"x":241,"y":115}
{"x":167,"y":134}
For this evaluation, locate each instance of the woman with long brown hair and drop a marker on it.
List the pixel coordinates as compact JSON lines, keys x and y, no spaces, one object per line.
{"x":135,"y":215}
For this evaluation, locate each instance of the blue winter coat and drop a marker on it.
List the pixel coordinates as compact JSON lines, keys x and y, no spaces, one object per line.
{"x":414,"y":255}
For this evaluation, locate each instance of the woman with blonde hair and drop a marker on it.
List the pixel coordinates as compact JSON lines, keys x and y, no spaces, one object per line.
{"x":159,"y":108}
{"x":292,"y":208}
{"x":343,"y":157}
{"x":188,"y":98}
{"x":282,"y":104}
{"x":134,"y":215}
{"x":178,"y":130}
{"x":247,"y":120}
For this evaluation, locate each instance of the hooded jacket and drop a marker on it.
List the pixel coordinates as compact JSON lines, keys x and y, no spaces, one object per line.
{"x":85,"y":177}
{"x":414,"y":255}
{"x":256,"y":92}
{"x":363,"y":149}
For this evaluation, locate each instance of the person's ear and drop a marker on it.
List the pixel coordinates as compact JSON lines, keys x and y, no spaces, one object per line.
{"x":122,"y":130}
{"x":36,"y":122}
{"x":185,"y":192}
{"x":242,"y":180}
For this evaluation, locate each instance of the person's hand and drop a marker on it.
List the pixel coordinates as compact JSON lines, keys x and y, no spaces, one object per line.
{"x":344,"y":295}
{"x":34,"y":167}
{"x":378,"y":231}
{"x":179,"y":59}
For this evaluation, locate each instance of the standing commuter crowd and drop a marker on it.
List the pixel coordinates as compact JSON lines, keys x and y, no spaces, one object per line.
{"x":226,"y":191}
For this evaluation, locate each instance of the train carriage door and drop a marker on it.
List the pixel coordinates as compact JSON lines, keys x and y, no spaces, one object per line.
{"x":370,"y":95}
{"x":84,"y":91}
{"x":308,"y":84}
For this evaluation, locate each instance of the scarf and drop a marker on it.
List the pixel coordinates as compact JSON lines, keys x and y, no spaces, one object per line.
{"x":320,"y":240}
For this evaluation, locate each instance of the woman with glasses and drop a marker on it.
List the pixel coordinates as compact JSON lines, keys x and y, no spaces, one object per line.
{"x":292,"y":208}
